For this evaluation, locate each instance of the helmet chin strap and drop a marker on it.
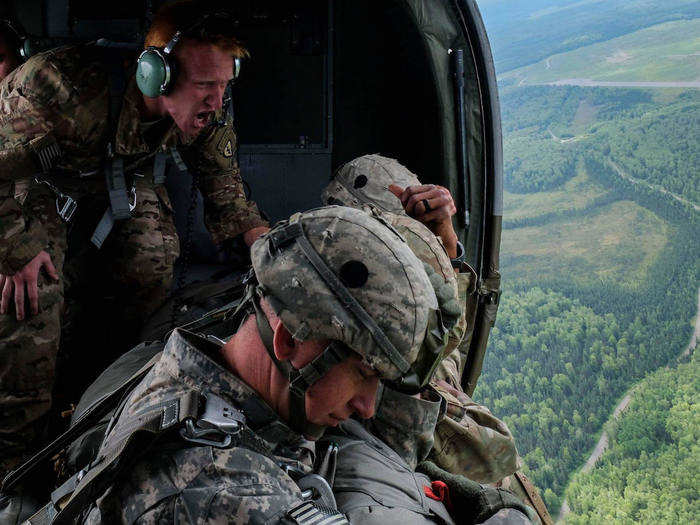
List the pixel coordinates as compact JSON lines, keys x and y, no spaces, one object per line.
{"x":300,"y":380}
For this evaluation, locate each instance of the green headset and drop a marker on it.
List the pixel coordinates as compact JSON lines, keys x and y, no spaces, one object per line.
{"x":18,"y":39}
{"x":156,"y":69}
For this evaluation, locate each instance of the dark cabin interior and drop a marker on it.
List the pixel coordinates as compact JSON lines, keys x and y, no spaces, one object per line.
{"x":326,"y":82}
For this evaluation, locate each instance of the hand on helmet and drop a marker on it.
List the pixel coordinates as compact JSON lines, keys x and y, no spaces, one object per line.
{"x":433,"y":206}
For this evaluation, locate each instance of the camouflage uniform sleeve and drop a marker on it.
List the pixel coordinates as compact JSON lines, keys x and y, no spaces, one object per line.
{"x":227,"y":211}
{"x":406,"y":424}
{"x":471,"y":441}
{"x":22,"y":238}
{"x":23,"y":117}
{"x":199,"y":485}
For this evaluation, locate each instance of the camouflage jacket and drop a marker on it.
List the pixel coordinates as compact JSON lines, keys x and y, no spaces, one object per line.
{"x":182,"y":482}
{"x":464,"y":437}
{"x":64,"y":94}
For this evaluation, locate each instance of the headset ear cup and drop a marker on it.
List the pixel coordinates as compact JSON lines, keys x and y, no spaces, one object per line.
{"x":153,"y":73}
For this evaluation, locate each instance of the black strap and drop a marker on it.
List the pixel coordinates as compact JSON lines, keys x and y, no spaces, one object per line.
{"x":92,"y":415}
{"x":334,"y":353}
{"x":116,"y":188}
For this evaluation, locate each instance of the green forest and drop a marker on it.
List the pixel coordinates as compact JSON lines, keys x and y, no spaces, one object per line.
{"x":547,"y":128}
{"x":573,"y":337}
{"x":650,"y":472}
{"x":600,"y":259}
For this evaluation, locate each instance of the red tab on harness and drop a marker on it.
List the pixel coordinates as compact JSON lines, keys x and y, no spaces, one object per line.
{"x":439,"y":491}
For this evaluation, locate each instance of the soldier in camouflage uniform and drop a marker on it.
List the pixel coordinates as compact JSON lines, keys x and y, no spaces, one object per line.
{"x":294,"y":325}
{"x":55,"y":122}
{"x":466,"y":439}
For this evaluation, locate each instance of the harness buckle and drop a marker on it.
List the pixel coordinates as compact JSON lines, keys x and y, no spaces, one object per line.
{"x":216,"y":426}
{"x":65,"y":206}
{"x":132,"y":203}
{"x":316,"y":488}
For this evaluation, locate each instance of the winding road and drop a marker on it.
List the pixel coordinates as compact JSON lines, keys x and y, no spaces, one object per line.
{"x":627,"y":177}
{"x":587,"y":82}
{"x":654,"y":187}
{"x":619,"y":409}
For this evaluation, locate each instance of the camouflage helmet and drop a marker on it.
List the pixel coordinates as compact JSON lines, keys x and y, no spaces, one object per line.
{"x":372,"y":195}
{"x":366,"y":180}
{"x":372,"y":263}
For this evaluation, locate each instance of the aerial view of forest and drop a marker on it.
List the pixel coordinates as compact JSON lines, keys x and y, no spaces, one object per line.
{"x":600,"y":260}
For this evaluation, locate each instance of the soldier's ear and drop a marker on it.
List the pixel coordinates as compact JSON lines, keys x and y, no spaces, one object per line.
{"x":283,"y":343}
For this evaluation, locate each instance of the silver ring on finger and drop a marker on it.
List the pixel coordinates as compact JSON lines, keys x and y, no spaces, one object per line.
{"x":427,"y":205}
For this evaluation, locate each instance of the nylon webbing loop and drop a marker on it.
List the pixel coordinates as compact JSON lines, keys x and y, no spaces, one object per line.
{"x":294,"y":230}
{"x":116,"y":188}
{"x":177,"y":159}
{"x":123,"y":444}
{"x":159,"y":165}
{"x":46,"y":150}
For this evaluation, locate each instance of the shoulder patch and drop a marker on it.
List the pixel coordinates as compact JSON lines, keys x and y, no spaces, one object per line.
{"x":225,"y":146}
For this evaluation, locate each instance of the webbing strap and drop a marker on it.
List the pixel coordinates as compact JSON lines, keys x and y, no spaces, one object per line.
{"x":177,"y":158}
{"x":266,"y":335}
{"x":116,"y":188}
{"x":89,"y":417}
{"x":103,"y":228}
{"x":159,"y":165}
{"x":119,"y":208}
{"x":307,"y":513}
{"x":44,"y":516}
{"x":47,"y":151}
{"x":294,"y":230}
{"x":316,"y":369}
{"x":121,"y":443}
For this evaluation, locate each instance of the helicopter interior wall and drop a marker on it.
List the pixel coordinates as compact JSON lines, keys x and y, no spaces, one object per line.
{"x":385,"y":96}
{"x":383,"y":101}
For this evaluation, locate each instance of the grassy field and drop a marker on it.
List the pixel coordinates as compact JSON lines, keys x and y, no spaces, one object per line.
{"x":613,"y":244}
{"x":575,"y":195}
{"x":664,"y":52}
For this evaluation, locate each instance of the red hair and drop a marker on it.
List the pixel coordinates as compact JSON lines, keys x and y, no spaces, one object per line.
{"x":187,"y":16}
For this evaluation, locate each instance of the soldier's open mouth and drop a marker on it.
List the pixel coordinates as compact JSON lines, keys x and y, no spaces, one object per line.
{"x":202,"y":118}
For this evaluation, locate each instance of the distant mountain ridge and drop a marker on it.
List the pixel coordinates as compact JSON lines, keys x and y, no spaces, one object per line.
{"x":523,"y":32}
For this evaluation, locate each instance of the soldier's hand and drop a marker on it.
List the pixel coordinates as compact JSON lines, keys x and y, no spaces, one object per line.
{"x":13,"y":285}
{"x":252,"y":235}
{"x":433,"y":206}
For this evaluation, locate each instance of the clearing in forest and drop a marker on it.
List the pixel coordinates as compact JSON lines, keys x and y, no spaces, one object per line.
{"x":612,"y":244}
{"x":576,"y":194}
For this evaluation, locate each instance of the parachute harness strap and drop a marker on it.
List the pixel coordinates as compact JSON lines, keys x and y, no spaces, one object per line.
{"x":293,"y":231}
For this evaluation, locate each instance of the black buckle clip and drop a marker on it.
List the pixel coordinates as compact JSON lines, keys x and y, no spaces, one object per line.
{"x":216,"y":426}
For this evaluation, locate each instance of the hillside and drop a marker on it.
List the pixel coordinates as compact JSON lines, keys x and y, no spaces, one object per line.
{"x":664,"y":52}
{"x":599,"y":254}
{"x":651,"y":136}
{"x":649,"y":473}
{"x":523,"y":32}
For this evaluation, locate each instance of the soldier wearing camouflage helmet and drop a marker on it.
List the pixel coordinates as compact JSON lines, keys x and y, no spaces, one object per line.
{"x":72,"y":130}
{"x":336,"y":303}
{"x":466,"y":439}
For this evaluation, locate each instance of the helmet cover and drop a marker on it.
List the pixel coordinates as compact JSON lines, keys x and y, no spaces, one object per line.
{"x":375,"y":265}
{"x":366,"y":180}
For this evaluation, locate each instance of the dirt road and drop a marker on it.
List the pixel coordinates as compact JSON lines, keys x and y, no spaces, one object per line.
{"x":619,"y":409}
{"x":654,"y":187}
{"x":601,"y":83}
